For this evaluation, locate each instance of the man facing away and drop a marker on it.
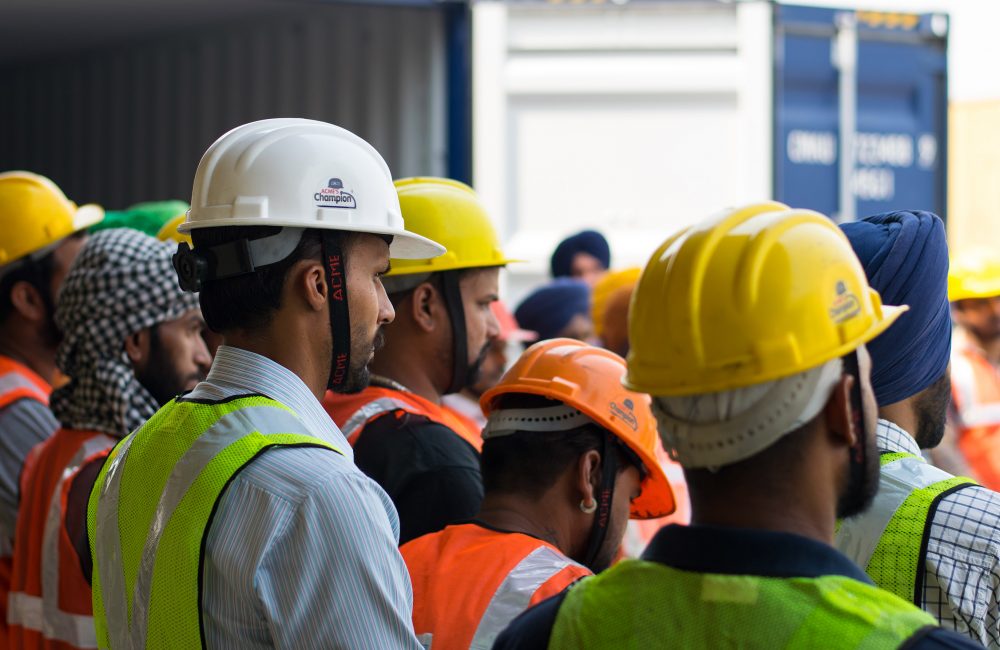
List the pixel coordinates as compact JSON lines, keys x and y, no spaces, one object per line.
{"x":266,"y":535}
{"x":423,"y":453}
{"x":41,"y":232}
{"x":125,"y":358}
{"x":748,"y":330}
{"x":569,"y":457}
{"x":929,"y":537}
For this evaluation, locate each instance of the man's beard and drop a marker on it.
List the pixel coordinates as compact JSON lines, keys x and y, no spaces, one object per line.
{"x":862,"y":480}
{"x":932,"y":412}
{"x":358,"y":374}
{"x":475,"y":368}
{"x":161,"y":377}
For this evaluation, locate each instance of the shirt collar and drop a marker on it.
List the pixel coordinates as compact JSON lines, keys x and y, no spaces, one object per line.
{"x":890,"y":437}
{"x":744,"y":551}
{"x":249,"y":372}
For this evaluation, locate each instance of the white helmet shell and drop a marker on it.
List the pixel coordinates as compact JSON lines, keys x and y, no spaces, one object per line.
{"x":302,"y":174}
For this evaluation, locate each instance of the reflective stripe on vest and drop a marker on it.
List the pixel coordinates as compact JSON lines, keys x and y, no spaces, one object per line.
{"x":209,"y":459}
{"x":890,"y":538}
{"x":354,"y":424}
{"x":42,"y":614}
{"x":15,"y":385}
{"x":639,"y":604}
{"x":514,"y":594}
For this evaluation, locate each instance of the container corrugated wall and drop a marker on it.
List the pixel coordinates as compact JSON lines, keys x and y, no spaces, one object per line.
{"x":129,"y":122}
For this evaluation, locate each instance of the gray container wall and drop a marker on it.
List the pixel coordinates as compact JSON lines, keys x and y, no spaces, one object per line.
{"x":129,"y":122}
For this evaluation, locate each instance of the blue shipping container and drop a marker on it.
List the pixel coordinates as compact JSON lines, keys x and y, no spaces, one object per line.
{"x":895,"y":66}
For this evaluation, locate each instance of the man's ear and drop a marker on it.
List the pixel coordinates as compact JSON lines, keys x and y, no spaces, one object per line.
{"x":137,"y":348}
{"x":588,"y":475}
{"x":308,"y":279}
{"x":28,"y":302}
{"x":425,"y":306}
{"x":839,"y":413}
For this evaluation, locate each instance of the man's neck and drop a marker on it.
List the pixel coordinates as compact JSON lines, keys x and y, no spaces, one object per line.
{"x":297,"y":358}
{"x":406,"y":362}
{"x":40,"y":359}
{"x":511,"y":513}
{"x":902,"y":414}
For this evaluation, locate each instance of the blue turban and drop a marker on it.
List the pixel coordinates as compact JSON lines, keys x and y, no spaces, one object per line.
{"x":590,"y":242}
{"x":905,"y":255}
{"x":550,"y":308}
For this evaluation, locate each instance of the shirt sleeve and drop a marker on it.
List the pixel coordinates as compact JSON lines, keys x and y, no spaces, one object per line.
{"x":334,"y":577}
{"x":23,"y":424}
{"x":935,"y":638}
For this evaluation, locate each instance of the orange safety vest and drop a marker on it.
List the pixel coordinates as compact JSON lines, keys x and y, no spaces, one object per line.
{"x":352,"y":413}
{"x":469,"y":582}
{"x":49,"y":604}
{"x":975,"y":394}
{"x":17,"y":382}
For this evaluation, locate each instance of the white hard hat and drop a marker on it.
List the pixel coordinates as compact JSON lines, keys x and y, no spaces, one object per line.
{"x":302,"y":174}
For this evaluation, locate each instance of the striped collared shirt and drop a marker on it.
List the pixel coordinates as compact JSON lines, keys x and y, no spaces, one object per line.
{"x":302,"y":550}
{"x":962,"y":579}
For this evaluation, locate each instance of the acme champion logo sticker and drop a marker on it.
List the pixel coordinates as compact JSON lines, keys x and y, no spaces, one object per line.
{"x":626,"y":414}
{"x":845,"y":306}
{"x":335,"y":196}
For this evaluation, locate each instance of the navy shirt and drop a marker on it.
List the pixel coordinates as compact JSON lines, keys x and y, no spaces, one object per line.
{"x":430,"y":472}
{"x":728,"y":551}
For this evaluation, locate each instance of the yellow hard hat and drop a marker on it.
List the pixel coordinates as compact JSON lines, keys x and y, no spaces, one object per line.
{"x":35,"y":214}
{"x":449,"y":213}
{"x":169,"y":231}
{"x":974,"y":274}
{"x":748,"y":296}
{"x":606,"y":287}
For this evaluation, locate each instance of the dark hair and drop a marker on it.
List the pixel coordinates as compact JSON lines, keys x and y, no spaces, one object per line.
{"x":248,"y":302}
{"x":531,"y":462}
{"x":37,"y":273}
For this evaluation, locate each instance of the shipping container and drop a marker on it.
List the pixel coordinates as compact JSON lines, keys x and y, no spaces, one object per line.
{"x":640,"y":118}
{"x":125,"y":116}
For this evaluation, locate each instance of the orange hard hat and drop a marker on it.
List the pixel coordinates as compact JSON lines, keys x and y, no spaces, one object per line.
{"x":588,"y":379}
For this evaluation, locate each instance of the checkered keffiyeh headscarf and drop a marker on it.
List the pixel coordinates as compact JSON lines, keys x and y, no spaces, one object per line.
{"x":122,"y":282}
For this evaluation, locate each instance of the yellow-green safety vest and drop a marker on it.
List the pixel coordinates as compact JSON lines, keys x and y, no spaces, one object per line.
{"x":641,"y":604}
{"x":151,"y":507}
{"x":890,"y":538}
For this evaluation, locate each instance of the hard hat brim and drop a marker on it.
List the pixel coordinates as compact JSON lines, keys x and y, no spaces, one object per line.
{"x":87,"y":216}
{"x":657,"y":497}
{"x":405,"y":245}
{"x":431,"y":267}
{"x":889,"y":315}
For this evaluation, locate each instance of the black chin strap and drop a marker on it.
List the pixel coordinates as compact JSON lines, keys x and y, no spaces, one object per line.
{"x":340,"y":321}
{"x":852,"y":368}
{"x":605,"y":495}
{"x":459,"y":347}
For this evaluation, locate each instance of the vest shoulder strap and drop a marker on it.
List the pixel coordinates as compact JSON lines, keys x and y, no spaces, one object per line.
{"x":890,"y":539}
{"x":371,"y":410}
{"x":897,"y":561}
{"x":515,"y":592}
{"x":19,"y":382}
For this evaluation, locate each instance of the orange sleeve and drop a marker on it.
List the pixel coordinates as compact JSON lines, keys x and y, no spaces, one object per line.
{"x":558,"y":582}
